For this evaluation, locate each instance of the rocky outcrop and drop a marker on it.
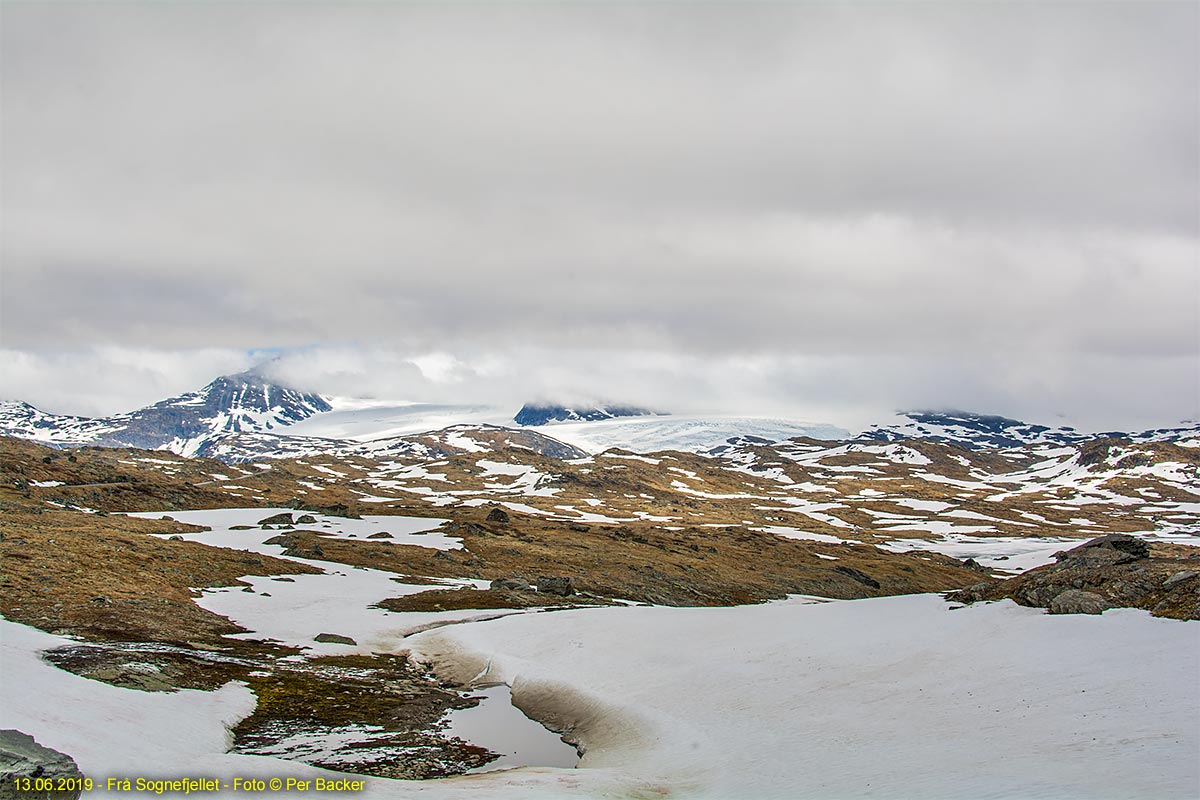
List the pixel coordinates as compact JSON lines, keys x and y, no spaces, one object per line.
{"x":1117,"y":570}
{"x":1127,"y":547}
{"x":295,"y":548}
{"x":498,"y":515}
{"x":22,"y":757}
{"x":861,"y":577}
{"x":332,"y":510}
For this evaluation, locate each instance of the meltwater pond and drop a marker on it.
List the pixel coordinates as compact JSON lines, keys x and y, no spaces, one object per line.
{"x":500,"y":726}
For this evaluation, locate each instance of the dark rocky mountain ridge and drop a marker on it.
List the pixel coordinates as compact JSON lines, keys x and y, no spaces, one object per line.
{"x":537,"y":414}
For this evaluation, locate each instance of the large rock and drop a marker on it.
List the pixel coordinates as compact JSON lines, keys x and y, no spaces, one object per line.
{"x":498,"y":515}
{"x":334,"y":638}
{"x":1076,"y":601}
{"x":555,"y":585}
{"x":513,"y":584}
{"x":1179,"y":577}
{"x":22,"y":757}
{"x":277,"y":519}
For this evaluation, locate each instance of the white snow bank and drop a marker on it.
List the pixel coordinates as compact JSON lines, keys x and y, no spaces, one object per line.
{"x":894,"y":697}
{"x":111,"y":731}
{"x":124,"y":733}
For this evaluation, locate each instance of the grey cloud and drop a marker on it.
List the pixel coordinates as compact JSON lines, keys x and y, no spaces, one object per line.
{"x":965,"y":184}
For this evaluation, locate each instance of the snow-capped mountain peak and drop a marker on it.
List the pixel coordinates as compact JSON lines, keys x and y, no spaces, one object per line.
{"x":186,"y":424}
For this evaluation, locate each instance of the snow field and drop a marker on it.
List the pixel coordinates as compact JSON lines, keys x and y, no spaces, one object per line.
{"x":889,"y":697}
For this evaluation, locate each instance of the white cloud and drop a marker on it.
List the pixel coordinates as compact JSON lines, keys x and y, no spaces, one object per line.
{"x":110,"y":379}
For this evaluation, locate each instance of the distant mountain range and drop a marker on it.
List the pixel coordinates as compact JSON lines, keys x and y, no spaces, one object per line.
{"x":980,"y":431}
{"x":247,"y":416}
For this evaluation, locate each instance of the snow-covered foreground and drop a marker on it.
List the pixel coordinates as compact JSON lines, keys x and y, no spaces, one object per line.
{"x":893,"y":697}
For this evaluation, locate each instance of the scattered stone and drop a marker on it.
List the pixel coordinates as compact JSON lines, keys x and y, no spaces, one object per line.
{"x":101,"y":600}
{"x":277,"y":519}
{"x":559,"y":585}
{"x":515,"y":584}
{"x":306,"y":519}
{"x":381,"y":535}
{"x":175,"y":538}
{"x":498,"y":515}
{"x":1075,"y":601}
{"x":334,"y":638}
{"x":22,"y":757}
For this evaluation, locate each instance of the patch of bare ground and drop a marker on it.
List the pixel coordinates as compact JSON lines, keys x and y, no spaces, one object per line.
{"x":468,"y":598}
{"x":128,"y":596}
{"x":106,"y":577}
{"x":389,"y":711}
{"x":645,"y":563}
{"x":386,"y":711}
{"x":108,"y":479}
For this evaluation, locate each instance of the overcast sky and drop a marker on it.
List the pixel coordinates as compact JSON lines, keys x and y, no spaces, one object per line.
{"x":805,"y":209}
